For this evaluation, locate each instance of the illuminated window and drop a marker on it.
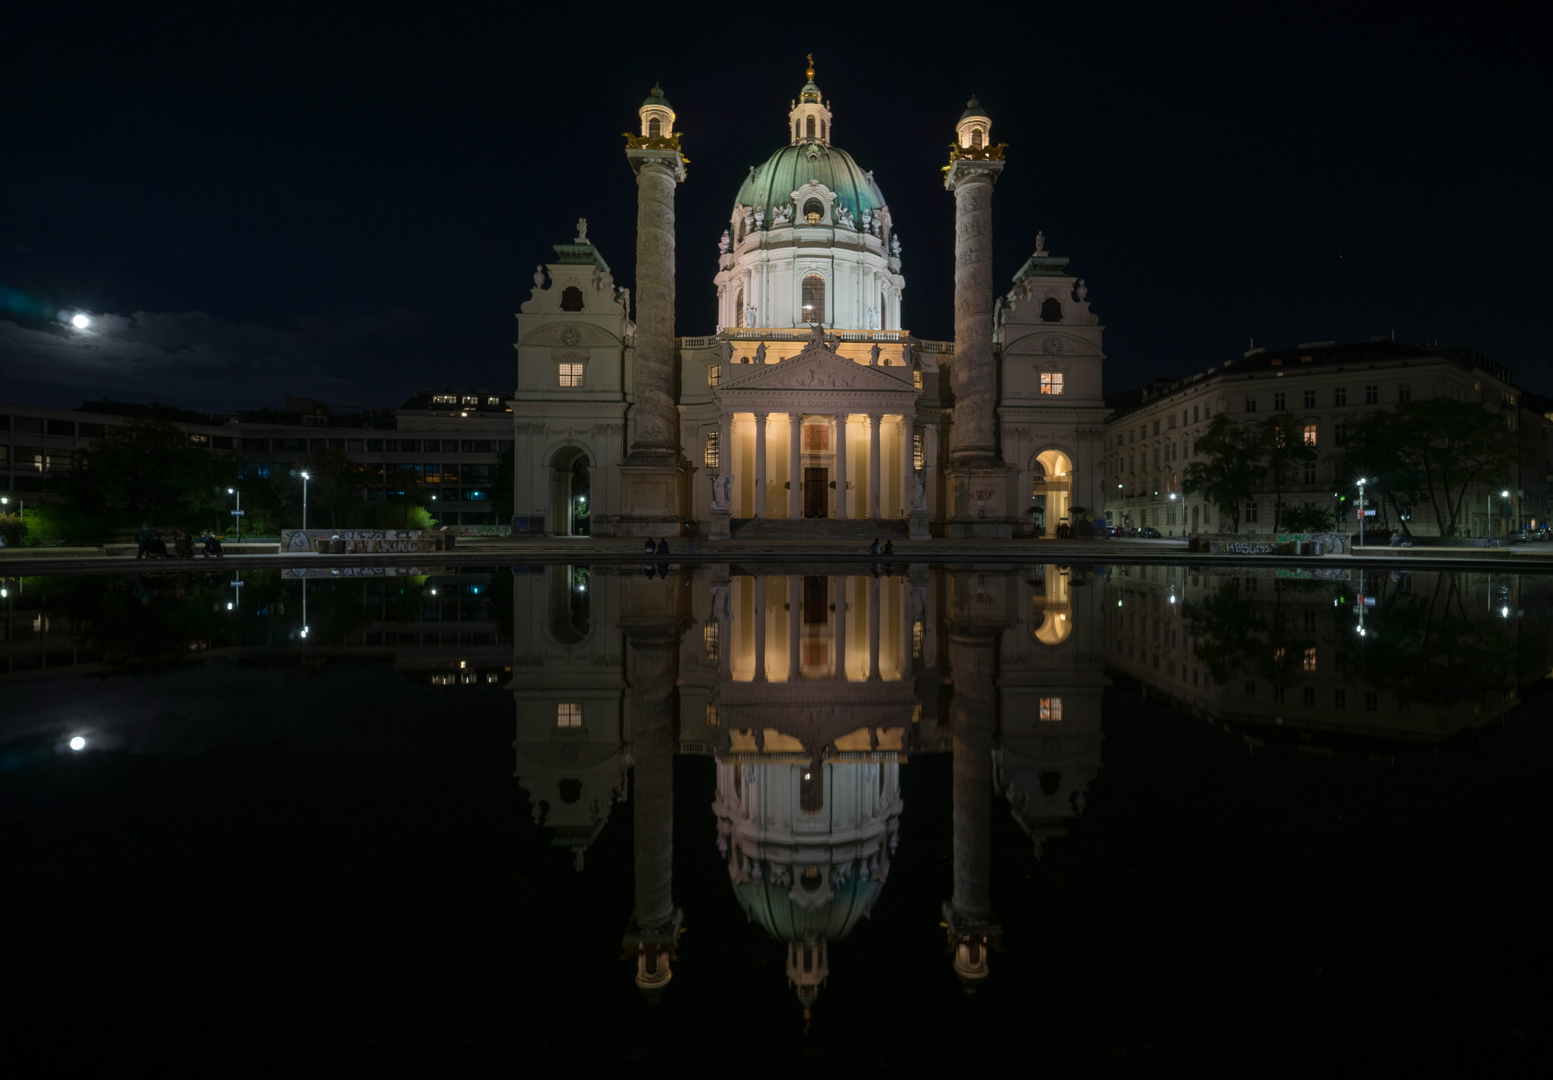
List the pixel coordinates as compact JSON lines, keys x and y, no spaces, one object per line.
{"x":813,"y":288}
{"x":471,"y":399}
{"x":654,"y":128}
{"x":918,"y":455}
{"x":569,"y":374}
{"x":1051,"y":708}
{"x":916,"y":379}
{"x":714,"y":449}
{"x":1051,"y":382}
{"x":712,"y":719}
{"x":811,"y":789}
{"x":916,"y":640}
{"x":1310,"y":434}
{"x":709,"y":636}
{"x":568,"y":715}
{"x":814,"y":211}
{"x":1310,"y":660}
{"x":714,"y":375}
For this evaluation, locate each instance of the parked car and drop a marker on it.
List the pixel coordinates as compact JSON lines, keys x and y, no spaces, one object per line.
{"x":1148,"y":532}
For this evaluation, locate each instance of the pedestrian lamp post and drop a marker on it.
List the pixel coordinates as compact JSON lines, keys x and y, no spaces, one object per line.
{"x":304,"y":505}
{"x":21,"y":505}
{"x":238,"y":513}
{"x":1489,"y":529}
{"x":1362,"y":481}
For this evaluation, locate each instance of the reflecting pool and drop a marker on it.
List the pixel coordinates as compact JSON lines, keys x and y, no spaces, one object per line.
{"x":1076,"y":817}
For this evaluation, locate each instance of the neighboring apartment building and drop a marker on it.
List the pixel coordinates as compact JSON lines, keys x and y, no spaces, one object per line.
{"x":1329,"y":388}
{"x":450,"y":440}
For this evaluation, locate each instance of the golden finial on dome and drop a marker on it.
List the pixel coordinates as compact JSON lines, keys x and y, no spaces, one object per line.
{"x":810,"y":71}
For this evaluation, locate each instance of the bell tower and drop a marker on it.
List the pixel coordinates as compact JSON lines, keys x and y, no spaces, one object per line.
{"x":809,"y":119}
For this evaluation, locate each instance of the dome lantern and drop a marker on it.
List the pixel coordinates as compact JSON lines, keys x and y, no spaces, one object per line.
{"x":975,"y":127}
{"x":809,"y":120}
{"x":657,"y":115}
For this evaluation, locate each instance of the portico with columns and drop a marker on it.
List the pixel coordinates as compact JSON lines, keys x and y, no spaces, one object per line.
{"x":814,"y":436}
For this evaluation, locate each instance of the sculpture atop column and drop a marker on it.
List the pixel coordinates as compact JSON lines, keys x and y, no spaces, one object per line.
{"x":977,"y":476}
{"x":653,"y":477}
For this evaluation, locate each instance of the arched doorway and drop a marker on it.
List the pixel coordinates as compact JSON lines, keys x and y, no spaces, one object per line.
{"x":1051,"y":490}
{"x":571,"y":509}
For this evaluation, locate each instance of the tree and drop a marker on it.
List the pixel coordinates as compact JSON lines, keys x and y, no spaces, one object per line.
{"x":147,"y":470}
{"x":335,"y":483}
{"x":1282,"y":450}
{"x":1375,"y":451}
{"x":1308,"y":519}
{"x":1226,"y":479}
{"x":1434,"y":450}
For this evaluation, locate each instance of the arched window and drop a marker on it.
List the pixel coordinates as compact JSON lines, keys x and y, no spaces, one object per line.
{"x":808,"y":127}
{"x":813,"y":298}
{"x":811,"y":789}
{"x":738,"y":311}
{"x":814,"y":211}
{"x":796,"y":133}
{"x":822,"y":129}
{"x":571,"y":790}
{"x":976,"y":139}
{"x":654,"y":128}
{"x":1051,"y":310}
{"x":571,"y":298}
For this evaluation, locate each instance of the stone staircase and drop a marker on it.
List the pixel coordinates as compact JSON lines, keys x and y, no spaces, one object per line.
{"x":818,"y":530}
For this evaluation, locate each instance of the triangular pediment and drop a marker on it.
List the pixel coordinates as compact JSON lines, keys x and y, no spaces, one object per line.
{"x":816,"y":367}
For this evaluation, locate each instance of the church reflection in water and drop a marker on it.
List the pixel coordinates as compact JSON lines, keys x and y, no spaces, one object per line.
{"x":810,"y":692}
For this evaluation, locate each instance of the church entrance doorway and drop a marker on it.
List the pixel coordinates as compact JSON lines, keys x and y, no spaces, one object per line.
{"x":816,"y":482}
{"x":570,"y":508}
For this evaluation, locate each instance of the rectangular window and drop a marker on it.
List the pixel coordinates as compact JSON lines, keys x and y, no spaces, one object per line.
{"x":1339,"y":699}
{"x":1278,"y":401}
{"x":1172,"y":424}
{"x":29,"y":425}
{"x":449,"y":473}
{"x":1310,"y":399}
{"x":1250,"y":404}
{"x":1404,"y":392}
{"x":712,"y":719}
{"x":1194,"y":414}
{"x":569,"y":374}
{"x":476,"y":495}
{"x":568,"y":714}
{"x":252,"y":445}
{"x":714,"y":455}
{"x":27,"y":457}
{"x":1250,"y":689}
{"x":1372,"y":395}
{"x":1310,"y":434}
{"x":918,"y":457}
{"x":1051,"y":382}
{"x":709,"y":638}
{"x":201,"y":441}
{"x":433,"y":473}
{"x":1340,"y":434}
{"x":1156,"y":428}
{"x":1051,"y":708}
{"x":916,"y":379}
{"x":1310,"y":472}
{"x":374,"y":446}
{"x":1250,"y":513}
{"x":5,"y":459}
{"x":62,"y":427}
{"x":714,"y":375}
{"x":1371,"y":701}
{"x":1309,"y":663}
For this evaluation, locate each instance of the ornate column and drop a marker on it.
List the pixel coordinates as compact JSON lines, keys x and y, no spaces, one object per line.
{"x":794,"y":466}
{"x":653,"y":476}
{"x":978,"y":478}
{"x":760,"y":464}
{"x":794,"y":606}
{"x":841,"y":628}
{"x":655,"y":921}
{"x":873,"y":628}
{"x":874,"y":420}
{"x":973,"y":927}
{"x":760,"y":629}
{"x":841,"y":466}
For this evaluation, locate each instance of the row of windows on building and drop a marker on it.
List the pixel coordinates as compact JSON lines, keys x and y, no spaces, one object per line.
{"x":816,"y":440}
{"x":1339,"y":397}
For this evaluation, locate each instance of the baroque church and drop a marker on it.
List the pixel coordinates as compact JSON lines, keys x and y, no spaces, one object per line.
{"x":811,"y":400}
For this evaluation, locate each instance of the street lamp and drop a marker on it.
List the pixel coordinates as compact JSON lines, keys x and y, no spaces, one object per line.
{"x":21,"y":505}
{"x":238,"y":513}
{"x":304,"y":502}
{"x":1489,"y":529}
{"x":1362,"y":481}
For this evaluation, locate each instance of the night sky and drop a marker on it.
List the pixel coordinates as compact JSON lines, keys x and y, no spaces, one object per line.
{"x":348,"y":203}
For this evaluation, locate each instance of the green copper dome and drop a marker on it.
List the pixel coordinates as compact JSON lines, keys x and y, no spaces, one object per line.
{"x":973,"y":108}
{"x":791,"y":167}
{"x":655,"y":97}
{"x":785,"y":919}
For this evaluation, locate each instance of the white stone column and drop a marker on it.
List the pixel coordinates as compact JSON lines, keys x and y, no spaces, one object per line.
{"x":794,"y":465}
{"x":841,"y":628}
{"x":794,"y":606}
{"x":874,"y":420}
{"x":906,"y":486}
{"x":760,"y":629}
{"x":873,"y":628}
{"x":841,"y":466}
{"x":760,"y":464}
